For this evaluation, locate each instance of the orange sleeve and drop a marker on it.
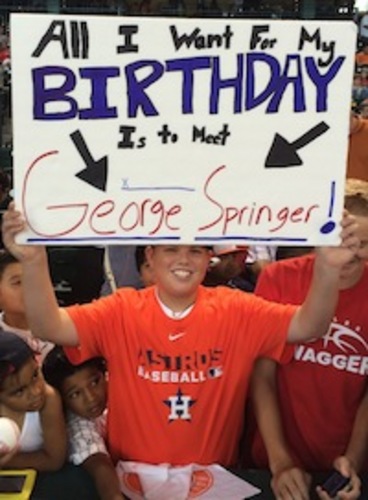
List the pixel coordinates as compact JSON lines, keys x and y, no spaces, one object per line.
{"x":271,"y":322}
{"x":95,"y":323}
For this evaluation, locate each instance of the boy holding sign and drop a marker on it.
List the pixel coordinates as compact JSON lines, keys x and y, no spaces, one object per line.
{"x":179,"y":355}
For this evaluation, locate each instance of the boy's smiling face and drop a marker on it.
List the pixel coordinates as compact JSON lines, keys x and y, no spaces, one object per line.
{"x":85,"y":392}
{"x":178,"y":272}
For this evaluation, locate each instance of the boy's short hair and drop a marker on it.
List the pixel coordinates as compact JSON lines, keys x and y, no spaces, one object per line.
{"x":14,"y":353}
{"x":6,"y":259}
{"x":140,"y":256}
{"x":356,"y":197}
{"x":56,"y":367}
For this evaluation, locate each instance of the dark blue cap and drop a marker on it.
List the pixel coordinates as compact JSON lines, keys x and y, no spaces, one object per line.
{"x":14,"y":352}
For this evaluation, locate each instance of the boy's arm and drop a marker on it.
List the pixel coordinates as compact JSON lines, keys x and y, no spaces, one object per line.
{"x":101,"y":469}
{"x":288,"y":481}
{"x":356,"y":453}
{"x":46,"y":320}
{"x":357,"y":450}
{"x":53,"y":453}
{"x":85,"y":437}
{"x":87,"y":448}
{"x":313,"y":317}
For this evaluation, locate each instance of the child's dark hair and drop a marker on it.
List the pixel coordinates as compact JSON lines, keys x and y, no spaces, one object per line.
{"x":56,"y":367}
{"x":14,"y":353}
{"x":6,"y":259}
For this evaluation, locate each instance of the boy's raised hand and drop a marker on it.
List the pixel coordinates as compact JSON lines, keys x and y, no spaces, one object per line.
{"x":12,"y":224}
{"x":340,"y":255}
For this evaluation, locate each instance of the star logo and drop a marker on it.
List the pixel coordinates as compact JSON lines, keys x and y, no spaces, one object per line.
{"x":179,"y":406}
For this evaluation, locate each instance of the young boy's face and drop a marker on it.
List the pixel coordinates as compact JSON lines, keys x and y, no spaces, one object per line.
{"x":178,"y":270}
{"x":85,"y":392}
{"x":24,"y":390}
{"x":11,"y":292}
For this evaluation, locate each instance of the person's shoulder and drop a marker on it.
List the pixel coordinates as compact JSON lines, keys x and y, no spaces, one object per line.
{"x":50,"y":391}
{"x":126,"y":294}
{"x":131,"y":299}
{"x":221,"y":297}
{"x":218,"y":291}
{"x":52,"y":410}
{"x":52,"y":397}
{"x":129,"y":291}
{"x":133,"y":295}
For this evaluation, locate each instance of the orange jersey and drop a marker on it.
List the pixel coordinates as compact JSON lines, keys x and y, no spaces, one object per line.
{"x":177,"y":388}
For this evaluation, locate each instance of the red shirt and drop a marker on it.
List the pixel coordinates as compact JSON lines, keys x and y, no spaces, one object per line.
{"x":321,"y":388}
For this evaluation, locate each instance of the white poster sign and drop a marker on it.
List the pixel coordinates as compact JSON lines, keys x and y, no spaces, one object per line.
{"x":159,"y":130}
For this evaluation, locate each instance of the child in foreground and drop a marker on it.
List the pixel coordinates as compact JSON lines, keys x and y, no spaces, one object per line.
{"x":83,"y":389}
{"x":33,"y":405}
{"x":183,"y":352}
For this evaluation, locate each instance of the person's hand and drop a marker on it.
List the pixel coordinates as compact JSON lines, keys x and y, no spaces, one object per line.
{"x":12,"y":224}
{"x":340,"y":255}
{"x":346,"y":468}
{"x":291,"y":484}
{"x":6,"y":457}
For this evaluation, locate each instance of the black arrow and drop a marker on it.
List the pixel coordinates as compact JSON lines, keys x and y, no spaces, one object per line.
{"x":284,"y":153}
{"x":95,"y":172}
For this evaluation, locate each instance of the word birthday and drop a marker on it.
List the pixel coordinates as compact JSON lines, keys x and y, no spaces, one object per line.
{"x":180,"y":131}
{"x":54,"y":85}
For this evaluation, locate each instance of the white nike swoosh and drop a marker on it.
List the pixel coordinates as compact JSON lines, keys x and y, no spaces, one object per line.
{"x":176,"y":336}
